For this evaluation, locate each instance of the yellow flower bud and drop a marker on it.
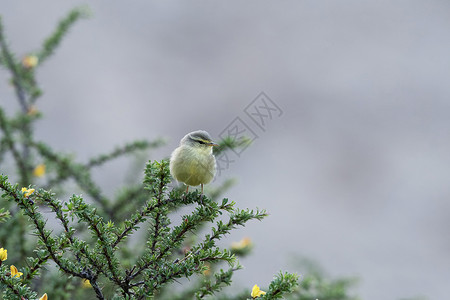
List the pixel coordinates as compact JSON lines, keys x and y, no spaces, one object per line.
{"x":86,"y":284}
{"x":3,"y":254}
{"x":15,"y":272}
{"x":39,"y":171}
{"x":207,"y":269}
{"x":30,"y":61}
{"x":32,"y":110}
{"x":27,"y":192}
{"x":244,"y":243}
{"x":44,"y":297}
{"x":256,"y":292}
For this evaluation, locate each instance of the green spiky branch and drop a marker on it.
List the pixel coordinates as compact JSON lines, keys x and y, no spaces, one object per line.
{"x":54,"y":40}
{"x":10,"y":62}
{"x":126,"y":149}
{"x":10,"y":145}
{"x":156,"y":266}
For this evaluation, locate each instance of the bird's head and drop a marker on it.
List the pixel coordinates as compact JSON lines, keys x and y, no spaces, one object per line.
{"x":199,"y":138}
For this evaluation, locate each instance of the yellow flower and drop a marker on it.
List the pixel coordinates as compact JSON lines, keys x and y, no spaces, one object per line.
{"x":244,"y":243}
{"x":256,"y":292}
{"x":27,"y":192}
{"x":207,"y":269}
{"x":86,"y":284}
{"x":44,"y":297}
{"x":39,"y":171}
{"x":3,"y":254}
{"x":30,"y":61}
{"x":15,"y":272}
{"x":32,"y":110}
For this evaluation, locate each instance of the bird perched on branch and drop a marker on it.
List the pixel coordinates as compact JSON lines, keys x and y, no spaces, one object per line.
{"x":193,"y":162}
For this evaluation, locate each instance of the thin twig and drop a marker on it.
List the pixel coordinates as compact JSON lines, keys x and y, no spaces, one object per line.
{"x":11,"y":65}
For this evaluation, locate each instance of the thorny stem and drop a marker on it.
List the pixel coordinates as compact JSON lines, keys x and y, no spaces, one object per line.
{"x":20,"y":162}
{"x":44,"y":237}
{"x":105,"y":250}
{"x":97,"y":289}
{"x":145,"y":212}
{"x":59,"y":214}
{"x":85,"y":182}
{"x":162,"y":253}
{"x":11,"y":287}
{"x":158,"y":215}
{"x":40,"y":262}
{"x":20,"y":93}
{"x":8,"y":58}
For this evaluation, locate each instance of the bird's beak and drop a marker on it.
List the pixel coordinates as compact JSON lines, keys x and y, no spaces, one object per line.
{"x":213,"y":144}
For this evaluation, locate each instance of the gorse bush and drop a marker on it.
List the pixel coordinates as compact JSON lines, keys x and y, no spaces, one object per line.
{"x":105,"y":258}
{"x":131,"y":246}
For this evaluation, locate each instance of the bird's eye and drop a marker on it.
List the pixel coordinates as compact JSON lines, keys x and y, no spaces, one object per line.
{"x":201,"y":142}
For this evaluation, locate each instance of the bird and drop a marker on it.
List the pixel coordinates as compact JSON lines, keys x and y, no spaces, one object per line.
{"x":193,"y":162}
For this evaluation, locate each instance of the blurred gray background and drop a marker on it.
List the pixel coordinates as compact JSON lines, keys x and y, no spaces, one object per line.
{"x":355,"y":172}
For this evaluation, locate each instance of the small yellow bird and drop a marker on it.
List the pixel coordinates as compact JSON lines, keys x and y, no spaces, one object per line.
{"x":193,"y":162}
